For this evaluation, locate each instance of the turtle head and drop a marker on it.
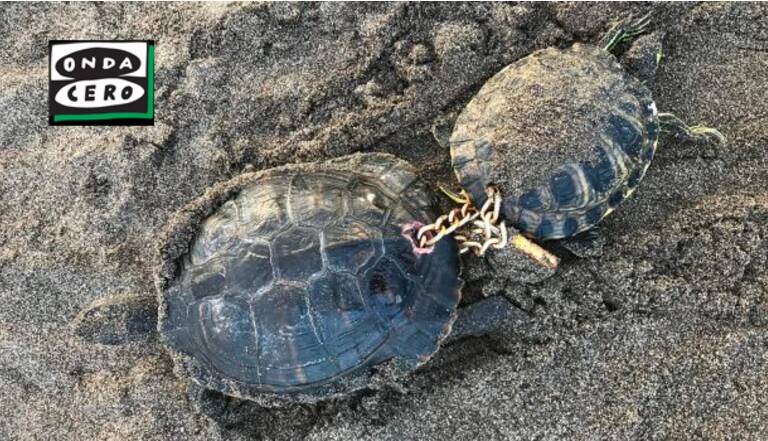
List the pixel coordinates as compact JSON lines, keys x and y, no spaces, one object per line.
{"x":117,"y":319}
{"x":643,"y":57}
{"x":636,"y":45}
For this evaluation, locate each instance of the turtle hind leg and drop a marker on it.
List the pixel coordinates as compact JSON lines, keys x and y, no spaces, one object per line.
{"x":587,"y":244}
{"x":672,"y":124}
{"x":250,"y":419}
{"x":117,"y":319}
{"x":626,"y":31}
{"x":215,"y":405}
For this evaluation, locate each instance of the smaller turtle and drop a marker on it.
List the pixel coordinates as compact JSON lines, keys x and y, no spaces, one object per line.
{"x":299,"y":283}
{"x":565,"y":134}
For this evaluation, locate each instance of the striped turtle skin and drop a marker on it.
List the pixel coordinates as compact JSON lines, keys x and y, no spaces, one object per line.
{"x":566,"y":134}
{"x":303,"y":279}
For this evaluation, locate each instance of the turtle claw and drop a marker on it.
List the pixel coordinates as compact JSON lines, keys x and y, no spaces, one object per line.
{"x":461,"y":198}
{"x":677,"y":127}
{"x":626,"y":31}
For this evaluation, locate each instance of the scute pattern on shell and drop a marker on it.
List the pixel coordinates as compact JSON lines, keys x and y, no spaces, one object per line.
{"x":303,"y":278}
{"x":566,"y":134}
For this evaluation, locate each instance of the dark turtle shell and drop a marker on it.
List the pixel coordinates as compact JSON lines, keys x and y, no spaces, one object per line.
{"x":303,"y":279}
{"x":566,"y":134}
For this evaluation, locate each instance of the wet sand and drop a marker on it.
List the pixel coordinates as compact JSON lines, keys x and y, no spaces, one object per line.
{"x":662,"y":335}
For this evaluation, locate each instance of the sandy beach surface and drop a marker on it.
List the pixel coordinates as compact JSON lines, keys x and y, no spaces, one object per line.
{"x":661,"y":336}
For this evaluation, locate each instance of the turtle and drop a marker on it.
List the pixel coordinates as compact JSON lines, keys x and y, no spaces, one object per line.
{"x":300,"y":283}
{"x":565,"y":134}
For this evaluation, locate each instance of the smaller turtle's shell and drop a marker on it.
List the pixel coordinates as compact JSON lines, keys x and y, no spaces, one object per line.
{"x":303,"y":278}
{"x":566,"y":134}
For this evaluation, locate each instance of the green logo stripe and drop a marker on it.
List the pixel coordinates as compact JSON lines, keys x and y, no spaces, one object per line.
{"x":121,"y":115}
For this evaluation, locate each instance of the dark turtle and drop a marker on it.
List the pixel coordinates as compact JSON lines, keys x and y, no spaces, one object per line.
{"x":566,"y":134}
{"x":298,"y":282}
{"x":306,"y":277}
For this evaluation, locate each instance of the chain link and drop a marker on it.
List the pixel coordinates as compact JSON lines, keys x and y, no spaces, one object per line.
{"x":478,"y":230}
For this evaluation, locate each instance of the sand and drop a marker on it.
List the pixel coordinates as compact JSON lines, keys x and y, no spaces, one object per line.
{"x":660,"y":335}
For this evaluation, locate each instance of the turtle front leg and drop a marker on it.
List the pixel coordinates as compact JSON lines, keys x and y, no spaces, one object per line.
{"x":672,"y":124}
{"x":626,"y":31}
{"x":488,"y":316}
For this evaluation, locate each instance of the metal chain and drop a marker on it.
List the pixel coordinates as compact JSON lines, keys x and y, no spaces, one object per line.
{"x":478,"y":230}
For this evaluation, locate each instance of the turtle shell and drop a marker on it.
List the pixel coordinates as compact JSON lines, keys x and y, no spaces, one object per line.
{"x":566,"y":134}
{"x":300,"y":279}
